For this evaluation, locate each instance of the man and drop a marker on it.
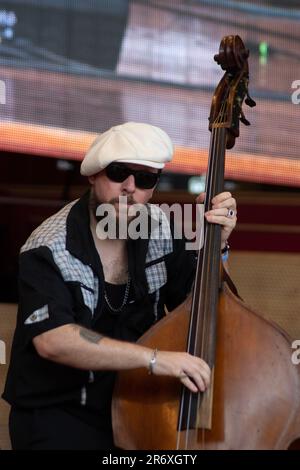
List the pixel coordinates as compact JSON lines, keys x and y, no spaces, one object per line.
{"x":85,"y":299}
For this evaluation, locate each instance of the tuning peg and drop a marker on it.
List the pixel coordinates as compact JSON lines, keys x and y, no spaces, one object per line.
{"x":243,"y":119}
{"x":249,"y":101}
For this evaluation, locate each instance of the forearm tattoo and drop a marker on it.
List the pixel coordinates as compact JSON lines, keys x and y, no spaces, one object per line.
{"x":89,"y":335}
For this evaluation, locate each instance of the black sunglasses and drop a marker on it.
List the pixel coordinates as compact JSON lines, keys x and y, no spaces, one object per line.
{"x":118,"y":172}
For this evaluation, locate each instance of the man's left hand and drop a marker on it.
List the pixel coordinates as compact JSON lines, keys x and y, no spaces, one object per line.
{"x":222,"y":212}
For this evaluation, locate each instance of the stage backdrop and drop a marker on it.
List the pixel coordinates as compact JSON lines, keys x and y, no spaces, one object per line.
{"x":72,"y":69}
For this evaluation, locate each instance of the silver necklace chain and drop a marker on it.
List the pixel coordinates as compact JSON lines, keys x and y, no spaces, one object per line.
{"x":126,"y":295}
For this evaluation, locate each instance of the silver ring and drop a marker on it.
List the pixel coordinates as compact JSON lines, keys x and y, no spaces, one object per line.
{"x":230,"y":213}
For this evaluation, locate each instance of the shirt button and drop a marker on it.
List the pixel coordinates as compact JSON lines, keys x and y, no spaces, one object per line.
{"x":33,"y":316}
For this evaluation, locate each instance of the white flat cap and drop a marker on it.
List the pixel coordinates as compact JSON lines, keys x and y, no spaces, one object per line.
{"x":132,"y":142}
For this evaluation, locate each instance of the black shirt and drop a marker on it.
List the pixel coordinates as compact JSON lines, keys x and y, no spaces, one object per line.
{"x":97,"y":411}
{"x":61,"y":282}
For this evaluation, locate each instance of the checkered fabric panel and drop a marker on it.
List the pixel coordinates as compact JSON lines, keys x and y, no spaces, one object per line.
{"x":52,"y":233}
{"x":161,"y":242}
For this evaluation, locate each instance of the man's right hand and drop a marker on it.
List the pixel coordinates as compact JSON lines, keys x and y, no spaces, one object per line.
{"x":192,"y":371}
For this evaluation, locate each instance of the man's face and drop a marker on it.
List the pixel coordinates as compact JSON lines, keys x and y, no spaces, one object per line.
{"x":107,"y":191}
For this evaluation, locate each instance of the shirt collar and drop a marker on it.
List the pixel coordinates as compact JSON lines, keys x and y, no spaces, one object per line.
{"x":79,"y":240}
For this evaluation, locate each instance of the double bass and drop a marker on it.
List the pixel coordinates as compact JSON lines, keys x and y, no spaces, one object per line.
{"x":253,"y":401}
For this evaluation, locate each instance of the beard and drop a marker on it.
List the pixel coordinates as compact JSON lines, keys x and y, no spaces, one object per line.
{"x":119,"y":211}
